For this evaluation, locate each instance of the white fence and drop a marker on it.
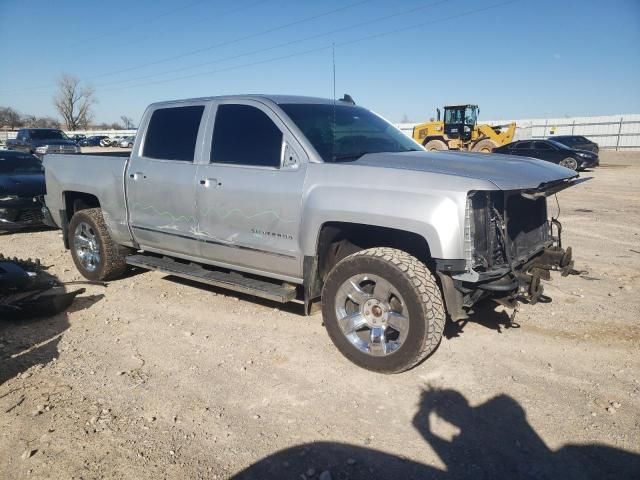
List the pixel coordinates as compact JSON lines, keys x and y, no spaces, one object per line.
{"x":111,"y":133}
{"x":614,"y":132}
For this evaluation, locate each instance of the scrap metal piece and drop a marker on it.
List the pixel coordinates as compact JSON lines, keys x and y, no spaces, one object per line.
{"x":27,"y":291}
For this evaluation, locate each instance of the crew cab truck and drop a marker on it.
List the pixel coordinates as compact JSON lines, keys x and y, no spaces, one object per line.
{"x":306,"y":199}
{"x":39,"y":141}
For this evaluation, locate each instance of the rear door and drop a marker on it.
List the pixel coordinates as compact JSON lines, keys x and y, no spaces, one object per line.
{"x":546,"y":151}
{"x":250,"y":191}
{"x":523,"y":149}
{"x":161,"y":179}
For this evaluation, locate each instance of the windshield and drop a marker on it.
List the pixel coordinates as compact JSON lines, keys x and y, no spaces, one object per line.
{"x":557,"y":143}
{"x":20,"y":163}
{"x":358,"y":131}
{"x":48,"y":135}
{"x":470,"y":115}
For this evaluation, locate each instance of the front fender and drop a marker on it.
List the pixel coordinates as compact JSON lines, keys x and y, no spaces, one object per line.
{"x":436,"y":217}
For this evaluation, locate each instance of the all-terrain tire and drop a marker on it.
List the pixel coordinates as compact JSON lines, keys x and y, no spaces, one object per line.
{"x":112,"y":256}
{"x":435,"y":145}
{"x":422,"y":296}
{"x":485,"y":146}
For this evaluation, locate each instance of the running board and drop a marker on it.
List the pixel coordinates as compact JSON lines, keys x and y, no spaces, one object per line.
{"x":232,"y":281}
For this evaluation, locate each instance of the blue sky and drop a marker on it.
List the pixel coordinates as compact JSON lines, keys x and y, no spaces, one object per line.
{"x":521,"y":59}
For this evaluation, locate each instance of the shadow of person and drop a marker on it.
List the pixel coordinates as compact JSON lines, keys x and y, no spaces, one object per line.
{"x":495,"y":440}
{"x":490,"y":441}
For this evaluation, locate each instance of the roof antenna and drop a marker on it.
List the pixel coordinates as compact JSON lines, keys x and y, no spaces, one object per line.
{"x":333,"y":128}
{"x":347,"y":99}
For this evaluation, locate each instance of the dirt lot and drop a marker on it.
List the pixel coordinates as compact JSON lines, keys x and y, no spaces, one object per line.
{"x":151,"y":377}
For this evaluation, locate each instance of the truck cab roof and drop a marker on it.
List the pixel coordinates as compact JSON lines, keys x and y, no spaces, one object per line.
{"x":278,"y":99}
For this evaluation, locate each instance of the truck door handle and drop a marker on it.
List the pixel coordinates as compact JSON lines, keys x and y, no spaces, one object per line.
{"x":137,"y":175}
{"x":210,"y":182}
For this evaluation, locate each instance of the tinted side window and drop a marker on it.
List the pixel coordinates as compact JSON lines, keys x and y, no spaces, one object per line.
{"x":542,"y":146}
{"x":245,"y":135}
{"x":523,"y":146}
{"x":172,"y":133}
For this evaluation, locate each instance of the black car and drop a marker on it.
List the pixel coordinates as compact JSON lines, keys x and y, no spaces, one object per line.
{"x":578,"y":142}
{"x":78,"y":137}
{"x":21,"y":189}
{"x":93,"y":141}
{"x":551,"y":151}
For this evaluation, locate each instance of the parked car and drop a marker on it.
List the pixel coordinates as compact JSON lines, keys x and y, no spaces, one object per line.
{"x":127,"y":142}
{"x":551,"y":151}
{"x":21,"y":190}
{"x":42,"y":140}
{"x":366,"y":219}
{"x":111,"y":141}
{"x":578,"y":142}
{"x":78,"y":137}
{"x":92,"y":141}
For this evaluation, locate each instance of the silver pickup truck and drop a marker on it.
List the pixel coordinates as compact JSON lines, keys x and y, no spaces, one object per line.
{"x":301,"y":199}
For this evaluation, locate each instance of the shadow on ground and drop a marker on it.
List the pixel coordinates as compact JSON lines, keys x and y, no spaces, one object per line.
{"x":31,"y":337}
{"x":485,"y":314}
{"x":490,"y":441}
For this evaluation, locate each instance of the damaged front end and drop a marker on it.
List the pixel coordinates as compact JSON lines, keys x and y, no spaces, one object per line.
{"x":511,"y":246}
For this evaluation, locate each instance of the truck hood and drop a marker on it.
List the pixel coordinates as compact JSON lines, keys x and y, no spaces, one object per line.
{"x":42,"y":143}
{"x":506,"y":172}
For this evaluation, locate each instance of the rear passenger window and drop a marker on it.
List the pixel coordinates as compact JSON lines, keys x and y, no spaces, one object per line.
{"x":245,"y":135}
{"x":172,"y":133}
{"x":542,"y":146}
{"x":523,"y":146}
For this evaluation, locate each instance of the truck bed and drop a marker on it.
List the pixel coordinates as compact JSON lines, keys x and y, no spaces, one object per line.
{"x":99,"y":175}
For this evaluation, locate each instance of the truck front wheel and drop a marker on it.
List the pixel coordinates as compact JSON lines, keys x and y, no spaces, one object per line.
{"x":95,"y":254}
{"x":383,"y":309}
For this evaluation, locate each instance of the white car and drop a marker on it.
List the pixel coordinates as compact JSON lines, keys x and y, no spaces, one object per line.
{"x":127,"y":142}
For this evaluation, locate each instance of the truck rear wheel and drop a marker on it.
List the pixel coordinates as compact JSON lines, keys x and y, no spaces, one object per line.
{"x":485,"y":146}
{"x":383,"y":310}
{"x":95,"y":254}
{"x":433,"y":145}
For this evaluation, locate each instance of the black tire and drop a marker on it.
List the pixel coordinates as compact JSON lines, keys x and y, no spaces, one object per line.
{"x":112,"y":257}
{"x":422,"y":298}
{"x":435,"y":145}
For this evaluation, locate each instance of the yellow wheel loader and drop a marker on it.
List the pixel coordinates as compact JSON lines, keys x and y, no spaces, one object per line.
{"x":460,"y":131}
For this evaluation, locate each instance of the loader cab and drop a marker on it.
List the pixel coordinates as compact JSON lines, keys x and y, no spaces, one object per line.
{"x":460,"y":121}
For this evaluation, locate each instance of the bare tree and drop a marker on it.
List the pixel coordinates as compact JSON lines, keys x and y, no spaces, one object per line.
{"x":127,"y":122}
{"x":45,"y":122}
{"x":10,"y":118}
{"x":74,"y":102}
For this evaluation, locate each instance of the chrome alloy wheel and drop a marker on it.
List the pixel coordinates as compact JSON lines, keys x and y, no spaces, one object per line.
{"x":86,"y":246}
{"x":372,"y":314}
{"x":570,"y":163}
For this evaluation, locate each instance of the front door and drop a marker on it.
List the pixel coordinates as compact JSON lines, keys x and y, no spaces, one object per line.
{"x":161,"y":180}
{"x":250,"y":192}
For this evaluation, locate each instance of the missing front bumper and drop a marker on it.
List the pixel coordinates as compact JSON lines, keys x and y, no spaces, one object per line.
{"x":508,"y":287}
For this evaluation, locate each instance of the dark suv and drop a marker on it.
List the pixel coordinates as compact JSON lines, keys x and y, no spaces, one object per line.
{"x":42,"y":140}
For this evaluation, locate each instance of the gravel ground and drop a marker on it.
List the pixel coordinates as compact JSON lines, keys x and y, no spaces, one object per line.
{"x":152,"y":377}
